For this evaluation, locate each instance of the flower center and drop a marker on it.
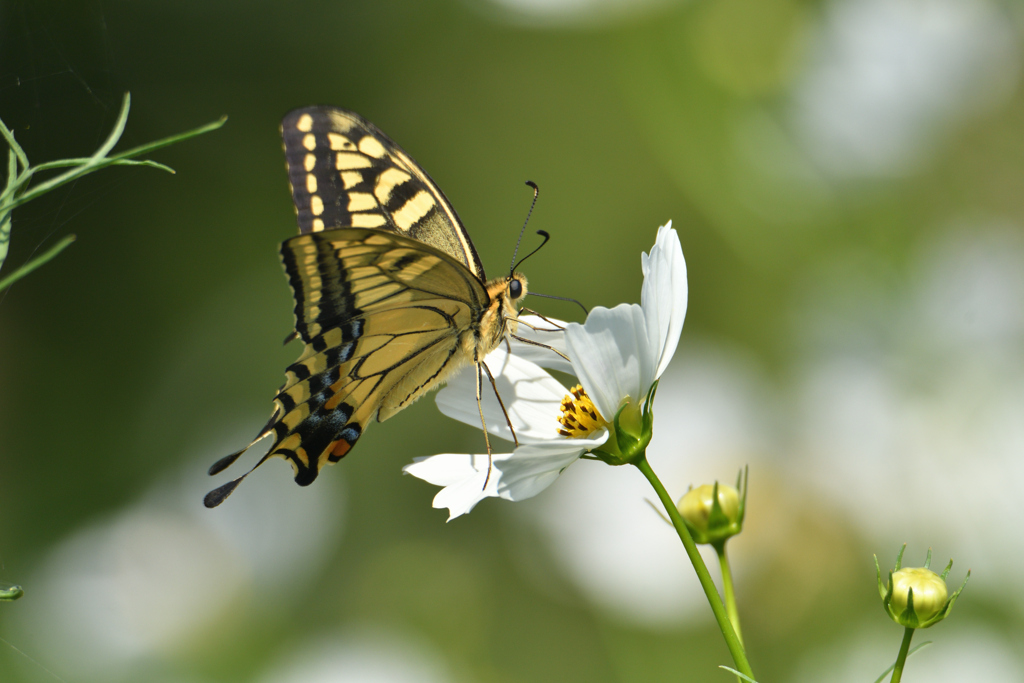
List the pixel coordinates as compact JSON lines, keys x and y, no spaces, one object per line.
{"x":580,"y":417}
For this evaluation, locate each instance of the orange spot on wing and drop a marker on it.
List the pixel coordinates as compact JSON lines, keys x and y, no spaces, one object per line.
{"x":340,"y":448}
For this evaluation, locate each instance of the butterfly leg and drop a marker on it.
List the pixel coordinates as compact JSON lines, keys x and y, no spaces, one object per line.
{"x":501,"y":403}
{"x":542,"y":317}
{"x":536,"y":343}
{"x":557,"y":327}
{"x":483,"y":422}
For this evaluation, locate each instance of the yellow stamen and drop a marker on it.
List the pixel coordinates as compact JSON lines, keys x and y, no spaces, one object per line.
{"x":580,"y":417}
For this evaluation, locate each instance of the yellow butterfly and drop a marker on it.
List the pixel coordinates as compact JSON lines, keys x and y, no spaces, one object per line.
{"x":390,"y":295}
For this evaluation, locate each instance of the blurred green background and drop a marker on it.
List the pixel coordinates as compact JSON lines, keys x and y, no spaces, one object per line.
{"x":847,"y":179}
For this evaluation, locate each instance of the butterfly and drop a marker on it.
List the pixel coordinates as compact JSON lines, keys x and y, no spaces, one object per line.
{"x":391,"y":299}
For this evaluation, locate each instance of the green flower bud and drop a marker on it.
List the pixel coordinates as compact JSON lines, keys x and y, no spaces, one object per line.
{"x":697,"y":504}
{"x":920,"y":588}
{"x":917,"y":597}
{"x":714,"y":513}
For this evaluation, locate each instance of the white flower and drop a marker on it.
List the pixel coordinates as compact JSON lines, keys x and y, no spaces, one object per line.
{"x":617,"y":354}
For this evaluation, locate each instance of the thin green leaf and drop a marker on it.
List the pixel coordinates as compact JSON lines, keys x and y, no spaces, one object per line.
{"x":36,"y":262}
{"x":5,"y":235}
{"x":12,"y":168}
{"x":9,"y":191}
{"x":117,"y":131}
{"x":658,"y":511}
{"x":15,"y":147}
{"x":93,"y":163}
{"x":744,"y":677}
{"x":166,"y":142}
{"x":97,"y":160}
{"x":891,"y":666}
{"x":61,"y":163}
{"x":16,"y":182}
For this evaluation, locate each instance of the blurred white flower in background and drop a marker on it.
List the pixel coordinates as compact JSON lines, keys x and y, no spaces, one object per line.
{"x":961,"y":652}
{"x":910,"y":412}
{"x":165,"y":576}
{"x":569,"y":12}
{"x":886,"y":76}
{"x":369,"y":656}
{"x":709,"y":421}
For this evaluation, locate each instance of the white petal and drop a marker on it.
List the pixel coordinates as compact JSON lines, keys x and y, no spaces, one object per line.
{"x":462,"y":475}
{"x":664,"y":295}
{"x":612,"y":356}
{"x":531,"y":396}
{"x":550,"y":332}
{"x":514,"y":476}
{"x":534,"y":467}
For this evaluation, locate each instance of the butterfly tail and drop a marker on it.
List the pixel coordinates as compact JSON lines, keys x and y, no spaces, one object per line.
{"x":221,"y":493}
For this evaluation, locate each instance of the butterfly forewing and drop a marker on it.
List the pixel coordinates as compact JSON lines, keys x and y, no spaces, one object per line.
{"x":345,"y":172}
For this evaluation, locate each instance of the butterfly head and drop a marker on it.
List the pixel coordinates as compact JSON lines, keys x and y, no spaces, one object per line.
{"x":506,"y":295}
{"x":512,"y":297}
{"x":516,"y":287}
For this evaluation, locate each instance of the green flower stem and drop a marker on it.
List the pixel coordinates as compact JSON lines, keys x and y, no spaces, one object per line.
{"x":901,"y":659}
{"x":732,"y":641}
{"x":730,"y":594}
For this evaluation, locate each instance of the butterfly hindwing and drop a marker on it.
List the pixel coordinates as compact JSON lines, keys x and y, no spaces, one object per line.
{"x":345,"y":172}
{"x":382,"y":318}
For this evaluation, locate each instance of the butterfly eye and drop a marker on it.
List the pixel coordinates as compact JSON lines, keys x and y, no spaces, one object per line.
{"x":515,"y":289}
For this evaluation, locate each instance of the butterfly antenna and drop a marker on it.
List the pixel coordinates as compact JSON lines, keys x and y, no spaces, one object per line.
{"x":561,"y":298}
{"x":546,"y":237}
{"x":536,"y":193}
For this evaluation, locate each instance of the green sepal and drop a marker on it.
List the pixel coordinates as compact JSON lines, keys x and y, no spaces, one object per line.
{"x":648,"y":411}
{"x":952,"y":599}
{"x":908,"y":617}
{"x":883,"y":592}
{"x":742,"y":484}
{"x":627,"y":447}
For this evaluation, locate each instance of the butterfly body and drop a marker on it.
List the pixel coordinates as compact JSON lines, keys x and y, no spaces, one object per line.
{"x":390,"y":295}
